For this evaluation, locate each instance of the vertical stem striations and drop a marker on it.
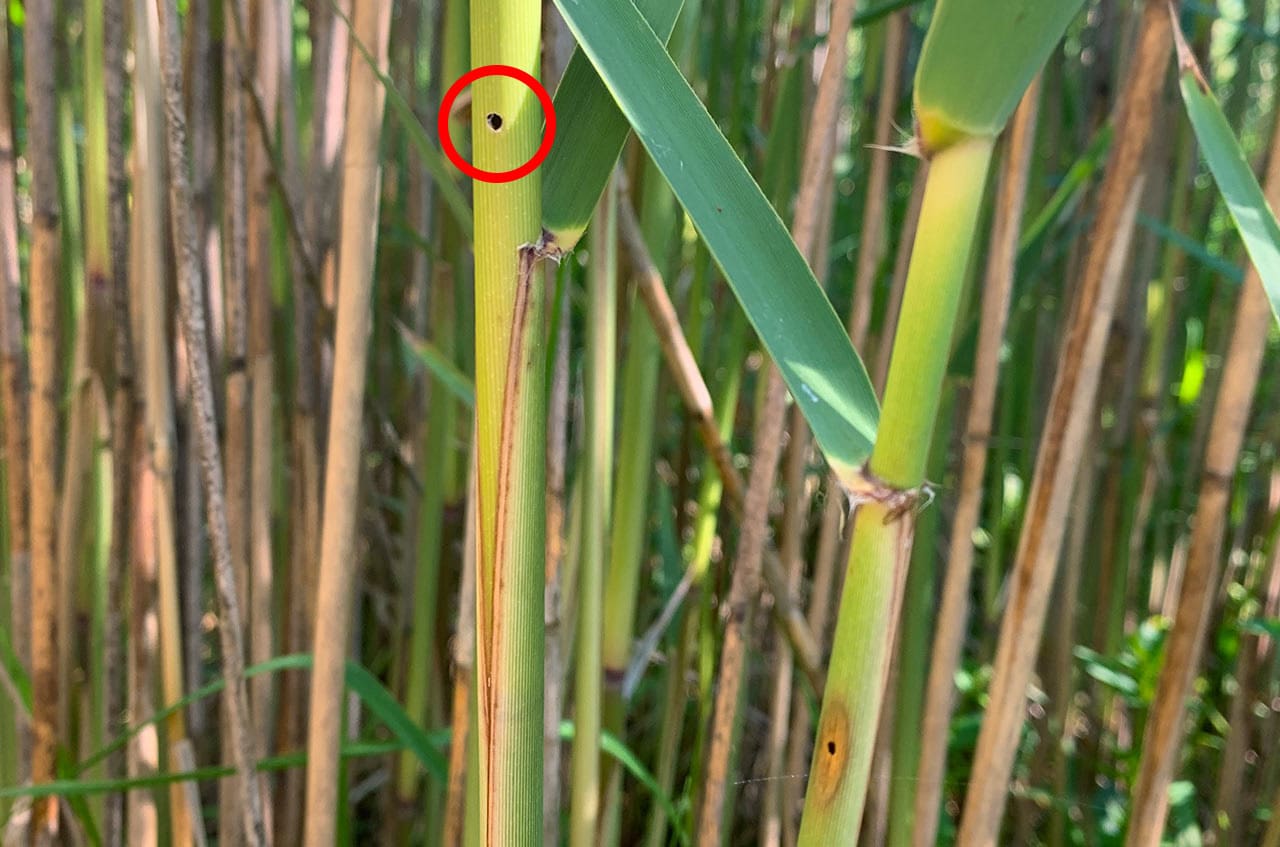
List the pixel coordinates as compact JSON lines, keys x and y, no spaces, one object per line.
{"x":46,"y":244}
{"x":890,"y":492}
{"x":954,"y":610}
{"x":1162,"y":740}
{"x":193,"y":320}
{"x":358,"y":228}
{"x":589,"y":682}
{"x":1063,"y":438}
{"x":506,"y":121}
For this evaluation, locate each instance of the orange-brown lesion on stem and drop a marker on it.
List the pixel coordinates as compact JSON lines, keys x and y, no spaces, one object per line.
{"x":831,"y":757}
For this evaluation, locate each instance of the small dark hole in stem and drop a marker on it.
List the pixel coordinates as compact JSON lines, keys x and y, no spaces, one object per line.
{"x":831,"y":747}
{"x":494,"y":120}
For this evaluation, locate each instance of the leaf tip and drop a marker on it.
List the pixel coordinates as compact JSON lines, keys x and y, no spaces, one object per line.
{"x":1186,"y":57}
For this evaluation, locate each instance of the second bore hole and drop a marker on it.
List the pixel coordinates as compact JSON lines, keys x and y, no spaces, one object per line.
{"x":494,"y":120}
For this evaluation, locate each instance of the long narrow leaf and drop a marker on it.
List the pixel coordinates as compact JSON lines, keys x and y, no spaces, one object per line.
{"x":379,"y":700}
{"x":457,"y":383}
{"x":591,"y":133}
{"x":441,"y":172}
{"x":81,"y":787}
{"x":1248,"y":207}
{"x":374,"y":695}
{"x":622,"y":754}
{"x":771,"y":280}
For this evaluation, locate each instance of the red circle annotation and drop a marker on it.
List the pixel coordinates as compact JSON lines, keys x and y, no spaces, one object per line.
{"x":548,"y":133}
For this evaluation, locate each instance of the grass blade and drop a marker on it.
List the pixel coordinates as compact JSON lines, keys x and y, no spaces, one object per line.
{"x":965,"y":89}
{"x":433,"y":358}
{"x":433,"y":160}
{"x":771,"y":280}
{"x":372,"y":692}
{"x":1231,"y":171}
{"x":591,"y":135}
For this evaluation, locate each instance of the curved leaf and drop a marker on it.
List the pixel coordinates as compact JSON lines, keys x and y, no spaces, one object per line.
{"x":770,"y":278}
{"x":1244,"y":198}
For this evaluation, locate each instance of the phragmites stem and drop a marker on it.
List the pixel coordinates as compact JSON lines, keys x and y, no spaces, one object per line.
{"x":192,"y":315}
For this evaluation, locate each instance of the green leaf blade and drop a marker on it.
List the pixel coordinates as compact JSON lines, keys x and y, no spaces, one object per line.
{"x":770,"y":278}
{"x":590,"y":134}
{"x":964,"y":88}
{"x":1245,"y":201}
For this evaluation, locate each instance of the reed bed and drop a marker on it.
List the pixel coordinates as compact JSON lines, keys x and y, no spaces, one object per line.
{"x":849,"y":432}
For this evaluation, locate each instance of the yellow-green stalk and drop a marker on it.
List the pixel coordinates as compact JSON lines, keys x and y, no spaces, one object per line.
{"x":439,"y":458}
{"x":891,"y":491}
{"x":913,"y":645}
{"x":506,"y":124}
{"x":635,"y":465}
{"x":964,"y":95}
{"x":601,"y":354}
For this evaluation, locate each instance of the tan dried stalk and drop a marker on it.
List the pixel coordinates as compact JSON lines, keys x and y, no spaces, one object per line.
{"x":14,"y":391}
{"x":464,"y":657}
{"x":743,"y":594}
{"x":1066,"y":428}
{"x":872,"y":242}
{"x":235,"y":308}
{"x":331,"y":66}
{"x":683,"y":367}
{"x":795,"y":508}
{"x":1162,"y":739}
{"x":298,"y":590}
{"x":194,"y":334}
{"x":43,"y":294}
{"x":359,"y":215}
{"x":953,"y":613}
{"x":143,"y":755}
{"x":125,"y":412}
{"x":201,"y":63}
{"x":150,"y":321}
{"x":261,"y":366}
{"x":744,"y":588}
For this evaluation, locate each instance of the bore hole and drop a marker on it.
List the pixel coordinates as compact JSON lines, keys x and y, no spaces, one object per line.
{"x":831,"y":747}
{"x":494,"y":120}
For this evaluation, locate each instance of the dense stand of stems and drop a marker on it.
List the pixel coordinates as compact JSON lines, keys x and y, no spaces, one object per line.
{"x":953,"y":612}
{"x":1164,"y":727}
{"x":819,"y":151}
{"x":338,"y":550}
{"x":884,"y":508}
{"x":165,"y":489}
{"x":1067,"y":423}
{"x":14,"y":395}
{"x":192,"y":313}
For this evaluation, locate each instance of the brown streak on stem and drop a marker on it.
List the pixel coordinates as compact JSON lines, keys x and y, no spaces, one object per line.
{"x":1070,"y":412}
{"x":1164,"y":731}
{"x":516,"y":350}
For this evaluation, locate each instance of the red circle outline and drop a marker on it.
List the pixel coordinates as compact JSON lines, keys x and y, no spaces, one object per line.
{"x":548,"y":133}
